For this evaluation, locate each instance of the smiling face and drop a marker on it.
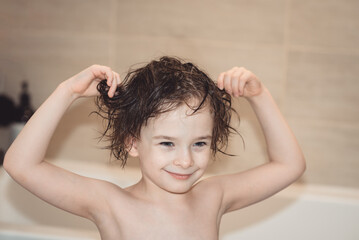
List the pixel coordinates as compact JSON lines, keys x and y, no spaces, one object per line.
{"x":175,"y":148}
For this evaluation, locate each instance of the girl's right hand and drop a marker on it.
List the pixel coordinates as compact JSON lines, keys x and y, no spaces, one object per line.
{"x":84,"y":84}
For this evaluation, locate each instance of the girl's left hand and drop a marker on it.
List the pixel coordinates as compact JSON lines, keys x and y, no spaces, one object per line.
{"x":238,"y":81}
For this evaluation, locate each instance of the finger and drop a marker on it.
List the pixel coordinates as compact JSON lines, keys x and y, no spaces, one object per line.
{"x":235,"y":82}
{"x":119,"y":79}
{"x":118,"y":82}
{"x":104,"y":72}
{"x":220,"y":81}
{"x":236,"y":75}
{"x":227,"y":82}
{"x":109,"y":75}
{"x":114,"y":84}
{"x":101,"y":72}
{"x":243,"y":81}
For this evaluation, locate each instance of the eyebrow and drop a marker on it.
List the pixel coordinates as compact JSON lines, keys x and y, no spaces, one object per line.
{"x":173,"y":138}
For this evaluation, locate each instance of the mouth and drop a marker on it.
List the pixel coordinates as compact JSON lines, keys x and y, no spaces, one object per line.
{"x":179,"y":176}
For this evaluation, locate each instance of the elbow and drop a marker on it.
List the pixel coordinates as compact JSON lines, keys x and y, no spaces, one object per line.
{"x":298,"y":164}
{"x":300,"y":167}
{"x":6,"y":163}
{"x":302,"y":163}
{"x":304,"y":166}
{"x":295,"y":168}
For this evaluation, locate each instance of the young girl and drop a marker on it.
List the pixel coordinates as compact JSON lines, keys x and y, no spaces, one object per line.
{"x":172,"y":117}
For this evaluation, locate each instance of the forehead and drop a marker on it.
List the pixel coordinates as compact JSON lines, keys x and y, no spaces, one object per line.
{"x":180,"y":122}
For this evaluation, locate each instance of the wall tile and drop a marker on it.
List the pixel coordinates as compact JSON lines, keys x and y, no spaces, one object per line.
{"x":79,"y":16}
{"x":323,"y":86}
{"x":325,"y":23}
{"x":47,"y":58}
{"x":257,"y":21}
{"x":331,"y":150}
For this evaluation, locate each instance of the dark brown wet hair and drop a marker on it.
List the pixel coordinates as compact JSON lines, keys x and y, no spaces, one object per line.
{"x":158,"y":87}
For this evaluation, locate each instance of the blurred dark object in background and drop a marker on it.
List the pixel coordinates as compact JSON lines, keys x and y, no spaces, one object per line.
{"x":2,"y":155}
{"x":8,"y":111}
{"x":24,"y":111}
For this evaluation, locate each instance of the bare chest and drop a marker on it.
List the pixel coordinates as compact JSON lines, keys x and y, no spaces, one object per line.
{"x":148,"y":221}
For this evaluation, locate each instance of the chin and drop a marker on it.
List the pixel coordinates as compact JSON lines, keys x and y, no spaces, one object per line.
{"x":181,"y":188}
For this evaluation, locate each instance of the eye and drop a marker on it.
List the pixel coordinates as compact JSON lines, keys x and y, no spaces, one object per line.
{"x":167,"y":144}
{"x":200,"y":144}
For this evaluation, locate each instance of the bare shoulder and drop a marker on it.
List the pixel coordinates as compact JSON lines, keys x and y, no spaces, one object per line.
{"x":211,"y":184}
{"x":106,"y":191}
{"x":108,"y":200}
{"x":209,"y":191}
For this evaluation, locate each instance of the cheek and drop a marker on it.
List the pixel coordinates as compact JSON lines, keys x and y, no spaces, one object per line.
{"x":153,"y":157}
{"x":204,"y":158}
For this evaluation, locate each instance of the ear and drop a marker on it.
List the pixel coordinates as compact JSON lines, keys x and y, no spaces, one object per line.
{"x":132,"y":147}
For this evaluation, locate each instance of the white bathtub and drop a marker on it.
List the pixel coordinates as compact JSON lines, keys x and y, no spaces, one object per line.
{"x":31,"y":232}
{"x":299,"y":212}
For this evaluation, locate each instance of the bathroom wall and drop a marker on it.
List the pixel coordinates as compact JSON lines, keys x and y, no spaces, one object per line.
{"x":306,"y":52}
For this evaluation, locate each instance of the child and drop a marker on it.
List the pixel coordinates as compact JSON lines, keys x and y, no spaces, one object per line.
{"x":172,"y":117}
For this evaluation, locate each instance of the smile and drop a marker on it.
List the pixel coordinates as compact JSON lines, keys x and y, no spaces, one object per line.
{"x":179,"y":176}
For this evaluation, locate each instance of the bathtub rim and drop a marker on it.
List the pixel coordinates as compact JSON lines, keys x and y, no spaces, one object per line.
{"x":47,"y":231}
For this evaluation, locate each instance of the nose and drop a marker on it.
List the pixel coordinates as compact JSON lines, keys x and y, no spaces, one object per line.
{"x":184,"y":159}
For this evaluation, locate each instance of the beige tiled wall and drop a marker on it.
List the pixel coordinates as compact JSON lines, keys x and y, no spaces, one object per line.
{"x":306,"y":52}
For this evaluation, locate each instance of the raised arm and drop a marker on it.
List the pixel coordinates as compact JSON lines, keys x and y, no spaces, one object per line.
{"x":286,"y":161}
{"x":24,"y":161}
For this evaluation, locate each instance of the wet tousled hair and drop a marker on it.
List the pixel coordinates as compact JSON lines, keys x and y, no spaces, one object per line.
{"x":161,"y":86}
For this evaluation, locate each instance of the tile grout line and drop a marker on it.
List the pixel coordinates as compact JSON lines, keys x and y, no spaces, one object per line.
{"x":323,"y":50}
